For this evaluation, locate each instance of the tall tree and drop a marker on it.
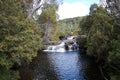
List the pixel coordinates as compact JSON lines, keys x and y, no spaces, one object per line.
{"x":98,"y":28}
{"x":19,"y":38}
{"x":102,"y":28}
{"x":48,"y":17}
{"x":113,"y":6}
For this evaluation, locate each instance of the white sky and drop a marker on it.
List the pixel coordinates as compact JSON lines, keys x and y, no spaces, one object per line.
{"x":74,"y":9}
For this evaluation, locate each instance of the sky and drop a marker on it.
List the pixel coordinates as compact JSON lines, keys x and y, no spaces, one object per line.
{"x":75,"y":8}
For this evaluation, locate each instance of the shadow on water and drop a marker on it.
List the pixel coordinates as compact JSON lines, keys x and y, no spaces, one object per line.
{"x":61,"y":66}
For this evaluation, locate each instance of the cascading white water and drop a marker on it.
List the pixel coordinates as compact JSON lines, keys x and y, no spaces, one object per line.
{"x":69,"y":44}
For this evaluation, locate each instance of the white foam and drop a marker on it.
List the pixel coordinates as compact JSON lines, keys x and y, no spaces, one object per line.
{"x":61,"y":46}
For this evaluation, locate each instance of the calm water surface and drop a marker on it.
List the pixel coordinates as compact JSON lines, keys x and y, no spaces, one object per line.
{"x":61,"y":66}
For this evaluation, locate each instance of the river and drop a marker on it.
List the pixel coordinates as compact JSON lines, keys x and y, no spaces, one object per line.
{"x":71,"y":65}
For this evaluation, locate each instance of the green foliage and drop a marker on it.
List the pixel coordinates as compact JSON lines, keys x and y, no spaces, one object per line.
{"x":19,"y":38}
{"x":114,"y":57}
{"x":48,"y":18}
{"x":68,"y":26}
{"x":6,"y":74}
{"x":115,"y":53}
{"x":103,"y":39}
{"x":98,"y":28}
{"x":93,"y":8}
{"x":48,"y":14}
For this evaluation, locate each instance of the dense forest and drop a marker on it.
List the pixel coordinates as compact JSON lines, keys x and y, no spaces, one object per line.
{"x":67,"y":27}
{"x":23,"y":32}
{"x":102,"y":28}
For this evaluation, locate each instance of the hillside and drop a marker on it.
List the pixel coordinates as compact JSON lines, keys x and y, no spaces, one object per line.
{"x":69,"y":26}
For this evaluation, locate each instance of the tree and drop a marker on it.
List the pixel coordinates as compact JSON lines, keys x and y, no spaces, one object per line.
{"x":103,"y":36}
{"x":114,"y":7}
{"x":19,"y":38}
{"x":98,"y":28}
{"x":48,"y":18}
{"x":31,"y":6}
{"x":68,"y":26}
{"x":93,"y":8}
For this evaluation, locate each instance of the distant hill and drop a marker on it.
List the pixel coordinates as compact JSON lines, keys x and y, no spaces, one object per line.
{"x":75,"y":20}
{"x":69,"y":25}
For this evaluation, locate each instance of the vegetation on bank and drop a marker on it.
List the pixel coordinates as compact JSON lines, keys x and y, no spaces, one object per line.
{"x":67,"y":27}
{"x":21,"y":33}
{"x":103,"y":38}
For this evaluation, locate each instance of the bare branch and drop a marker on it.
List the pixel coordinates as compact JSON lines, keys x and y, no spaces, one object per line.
{"x":32,"y":7}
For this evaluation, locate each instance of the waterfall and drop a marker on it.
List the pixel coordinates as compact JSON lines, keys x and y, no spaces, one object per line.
{"x":69,"y":44}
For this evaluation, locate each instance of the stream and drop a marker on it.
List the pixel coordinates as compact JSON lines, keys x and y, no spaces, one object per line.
{"x":70,"y":65}
{"x":61,"y":62}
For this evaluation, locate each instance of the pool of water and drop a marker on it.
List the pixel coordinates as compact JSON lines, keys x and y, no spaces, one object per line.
{"x":61,"y":66}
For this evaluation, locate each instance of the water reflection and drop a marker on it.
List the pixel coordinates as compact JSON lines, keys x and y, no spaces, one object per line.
{"x":43,"y":69}
{"x":63,"y":66}
{"x":66,"y":65}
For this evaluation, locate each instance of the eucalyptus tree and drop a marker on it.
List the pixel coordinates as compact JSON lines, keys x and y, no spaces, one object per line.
{"x":19,"y":34}
{"x":102,"y":28}
{"x":113,"y":6}
{"x":19,"y":38}
{"x":48,"y":17}
{"x":31,"y":6}
{"x":98,"y":28}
